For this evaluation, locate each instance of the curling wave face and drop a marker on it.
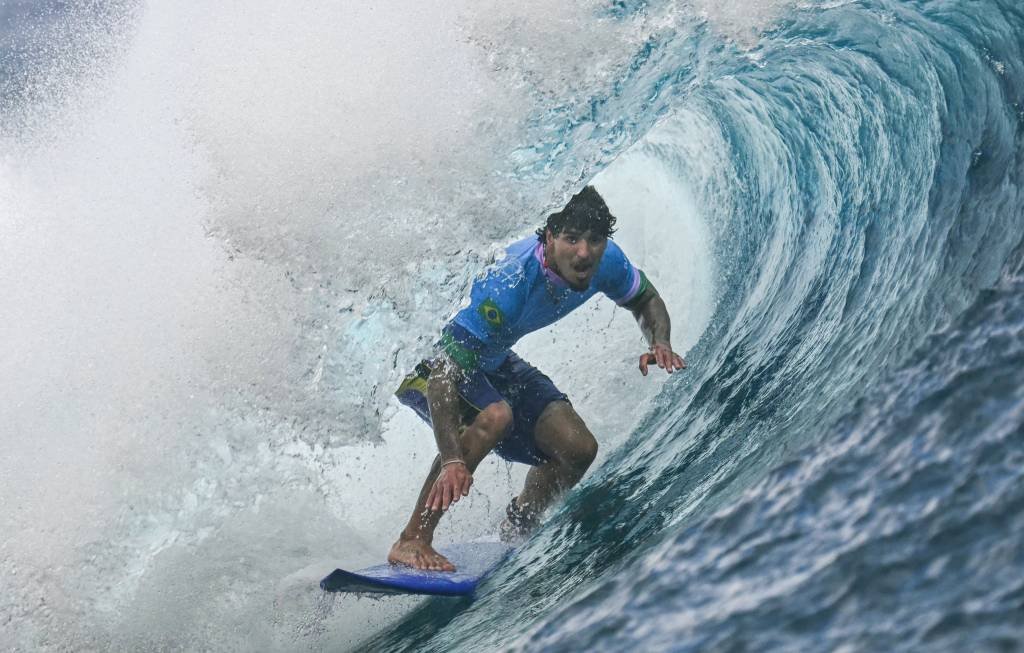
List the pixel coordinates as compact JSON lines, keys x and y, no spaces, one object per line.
{"x":253,"y":251}
{"x":840,"y":465}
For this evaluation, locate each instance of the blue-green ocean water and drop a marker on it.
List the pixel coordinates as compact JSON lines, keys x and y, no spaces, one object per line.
{"x":840,"y":468}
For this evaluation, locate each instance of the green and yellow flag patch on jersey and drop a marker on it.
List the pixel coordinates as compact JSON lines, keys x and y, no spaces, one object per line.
{"x":491,"y":314}
{"x":463,"y":356}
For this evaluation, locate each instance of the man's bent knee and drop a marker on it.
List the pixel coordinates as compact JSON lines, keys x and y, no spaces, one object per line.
{"x":493,"y":422}
{"x":576,"y":454}
{"x":583,"y":452}
{"x":563,"y":436}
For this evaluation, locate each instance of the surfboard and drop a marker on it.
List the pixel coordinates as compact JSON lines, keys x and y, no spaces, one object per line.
{"x":472,"y":560}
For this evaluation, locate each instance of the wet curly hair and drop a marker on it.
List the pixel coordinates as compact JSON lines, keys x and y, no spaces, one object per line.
{"x":585,"y":211}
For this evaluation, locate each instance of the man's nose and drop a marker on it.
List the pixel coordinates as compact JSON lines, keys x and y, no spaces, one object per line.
{"x":583,"y":250}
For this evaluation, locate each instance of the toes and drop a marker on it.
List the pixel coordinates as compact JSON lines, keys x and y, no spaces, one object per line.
{"x":440,"y":563}
{"x":428,"y":561}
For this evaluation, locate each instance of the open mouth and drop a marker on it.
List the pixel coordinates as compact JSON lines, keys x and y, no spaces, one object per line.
{"x":580,"y":276}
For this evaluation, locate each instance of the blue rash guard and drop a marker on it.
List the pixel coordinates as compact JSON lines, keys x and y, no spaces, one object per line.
{"x":516,"y":296}
{"x":520,"y":294}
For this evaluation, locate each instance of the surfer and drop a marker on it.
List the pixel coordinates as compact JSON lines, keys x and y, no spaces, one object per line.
{"x":479,"y":396}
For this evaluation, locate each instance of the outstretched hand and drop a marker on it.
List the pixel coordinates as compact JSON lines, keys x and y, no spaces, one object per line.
{"x":664,"y":357}
{"x":452,"y":484}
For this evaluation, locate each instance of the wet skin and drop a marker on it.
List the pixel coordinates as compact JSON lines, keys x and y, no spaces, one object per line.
{"x":560,"y":433}
{"x":574,"y":255}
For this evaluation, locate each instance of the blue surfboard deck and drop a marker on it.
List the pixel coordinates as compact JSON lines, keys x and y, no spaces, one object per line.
{"x":472,"y":560}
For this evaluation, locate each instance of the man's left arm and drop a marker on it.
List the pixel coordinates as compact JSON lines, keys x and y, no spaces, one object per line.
{"x":630,"y":288}
{"x":652,"y":316}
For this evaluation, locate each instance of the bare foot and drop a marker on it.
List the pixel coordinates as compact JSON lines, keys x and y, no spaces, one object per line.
{"x":418,"y":554}
{"x":518,"y":524}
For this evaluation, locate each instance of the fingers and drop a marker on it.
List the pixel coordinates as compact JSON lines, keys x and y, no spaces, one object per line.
{"x":454,"y":488}
{"x":451,"y":495}
{"x":438,"y":499}
{"x":431,"y":498}
{"x":461,"y":485}
{"x":664,"y":358}
{"x":644,"y":358}
{"x":448,"y":490}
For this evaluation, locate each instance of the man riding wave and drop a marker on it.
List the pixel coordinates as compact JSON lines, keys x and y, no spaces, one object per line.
{"x":479,"y":396}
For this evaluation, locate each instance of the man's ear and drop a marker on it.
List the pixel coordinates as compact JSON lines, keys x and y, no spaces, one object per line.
{"x":548,"y":236}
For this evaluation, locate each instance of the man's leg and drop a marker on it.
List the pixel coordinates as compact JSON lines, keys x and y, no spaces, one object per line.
{"x":563,"y":437}
{"x":413,"y":547}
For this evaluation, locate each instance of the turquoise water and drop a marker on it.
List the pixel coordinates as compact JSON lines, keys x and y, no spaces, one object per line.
{"x":205,"y":211}
{"x":841,"y":466}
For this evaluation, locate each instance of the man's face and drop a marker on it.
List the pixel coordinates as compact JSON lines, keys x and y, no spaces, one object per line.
{"x":574,"y":255}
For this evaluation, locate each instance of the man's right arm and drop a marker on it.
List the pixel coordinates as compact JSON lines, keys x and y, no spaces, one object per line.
{"x":466,"y":342}
{"x":443,"y":395}
{"x":454,"y":478}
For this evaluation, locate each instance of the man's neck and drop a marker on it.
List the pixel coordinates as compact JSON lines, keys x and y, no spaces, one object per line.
{"x":550,"y":269}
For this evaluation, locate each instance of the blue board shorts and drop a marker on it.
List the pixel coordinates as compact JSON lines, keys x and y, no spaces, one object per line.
{"x":526,"y":389}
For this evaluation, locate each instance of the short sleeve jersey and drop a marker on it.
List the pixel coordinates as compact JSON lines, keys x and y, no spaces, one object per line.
{"x":520,"y":294}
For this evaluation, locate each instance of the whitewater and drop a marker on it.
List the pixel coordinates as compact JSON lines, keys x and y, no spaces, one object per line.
{"x":227,"y":232}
